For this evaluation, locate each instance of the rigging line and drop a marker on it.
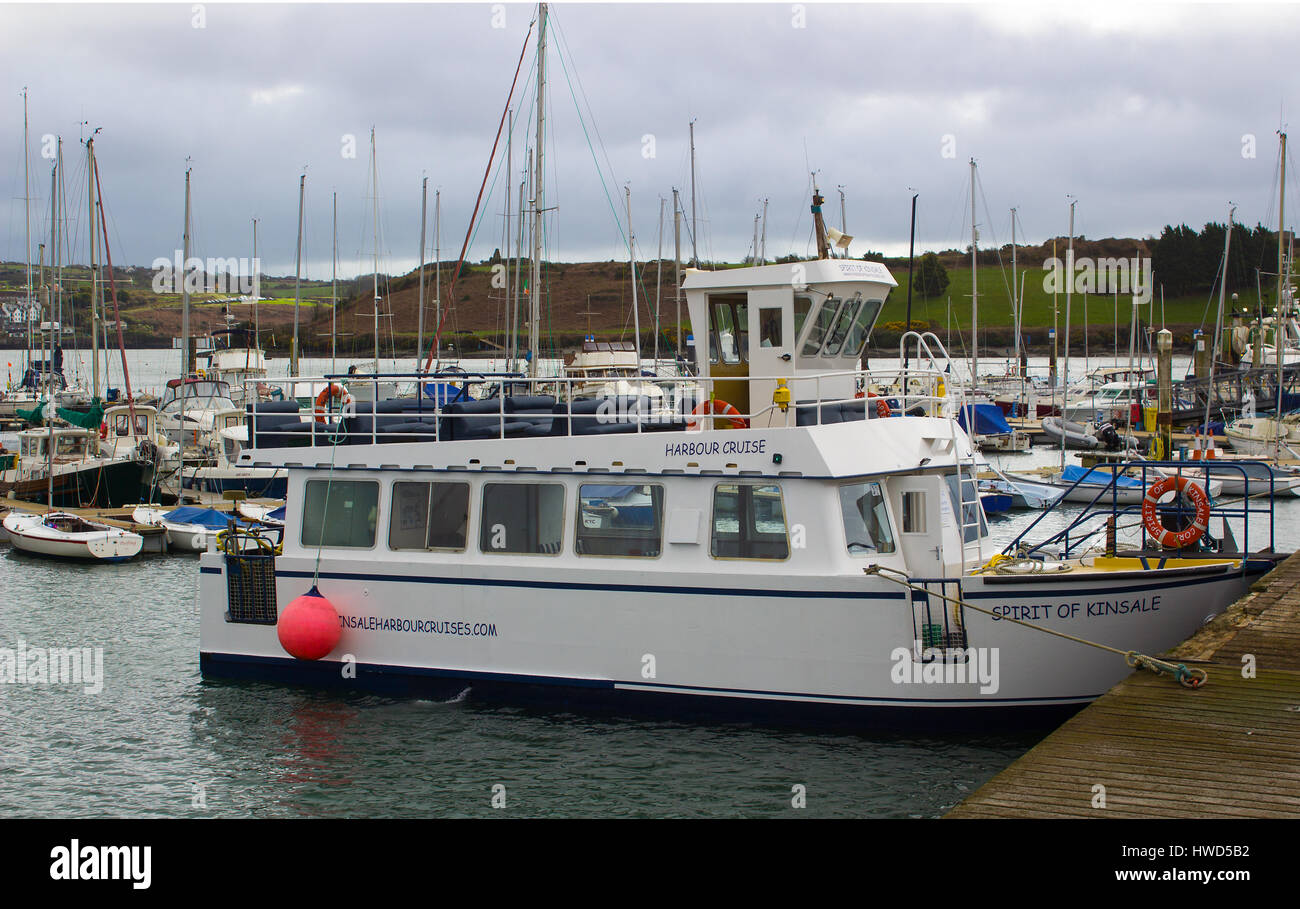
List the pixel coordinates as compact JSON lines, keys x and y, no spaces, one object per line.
{"x":477,"y":202}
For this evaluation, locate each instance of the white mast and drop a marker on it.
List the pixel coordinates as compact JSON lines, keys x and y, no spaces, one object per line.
{"x":94,"y":311}
{"x":334,"y":288}
{"x":419,"y":324}
{"x":297,"y":280}
{"x":437,"y":272}
{"x":187,"y":357}
{"x":762,"y":255}
{"x":374,"y":174}
{"x":1069,"y":284}
{"x":257,"y":293}
{"x":677,"y":257}
{"x":631,"y":254}
{"x":534,"y":289}
{"x":659,"y":279}
{"x":27,"y":246}
{"x":1015,"y":300}
{"x":695,"y":255}
{"x":974,"y":281}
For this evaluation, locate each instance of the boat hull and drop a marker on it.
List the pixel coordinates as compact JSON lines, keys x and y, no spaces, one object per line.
{"x":28,"y":534}
{"x":110,"y":485}
{"x":710,"y":640}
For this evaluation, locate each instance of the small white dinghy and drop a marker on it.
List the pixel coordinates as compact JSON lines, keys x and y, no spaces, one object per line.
{"x":67,"y":536}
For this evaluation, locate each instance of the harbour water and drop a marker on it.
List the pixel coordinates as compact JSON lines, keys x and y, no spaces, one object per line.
{"x":158,"y":741}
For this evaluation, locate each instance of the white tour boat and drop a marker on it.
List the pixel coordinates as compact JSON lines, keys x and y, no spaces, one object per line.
{"x":780,"y":543}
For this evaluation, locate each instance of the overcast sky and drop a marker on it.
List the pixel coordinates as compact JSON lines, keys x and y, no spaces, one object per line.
{"x":1140,"y":111}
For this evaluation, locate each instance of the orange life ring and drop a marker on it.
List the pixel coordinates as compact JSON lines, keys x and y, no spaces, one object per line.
{"x":330,"y":391}
{"x":882,"y":406}
{"x":1151,"y":516}
{"x":720,"y":407}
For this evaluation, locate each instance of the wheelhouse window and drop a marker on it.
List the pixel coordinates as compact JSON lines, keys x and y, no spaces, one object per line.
{"x":429,"y":516}
{"x":822,"y":322}
{"x":914,"y":511}
{"x":122,"y":424}
{"x":749,"y":522}
{"x":866,"y":519}
{"x":860,"y":330}
{"x":620,"y":521}
{"x":522,"y":518}
{"x":836,"y":340}
{"x":340,"y":513}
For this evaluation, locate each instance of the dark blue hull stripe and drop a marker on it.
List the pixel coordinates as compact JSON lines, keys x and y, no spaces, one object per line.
{"x":279,"y":667}
{"x":1002,"y":593}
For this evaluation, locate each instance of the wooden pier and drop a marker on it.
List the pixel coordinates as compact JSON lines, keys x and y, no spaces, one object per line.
{"x":1230,"y":749}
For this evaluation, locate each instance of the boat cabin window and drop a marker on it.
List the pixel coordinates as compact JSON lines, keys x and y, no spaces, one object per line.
{"x":748,"y":522}
{"x":972,"y":515}
{"x":122,"y":424}
{"x":522,"y":518}
{"x":728,"y":328}
{"x":68,"y":444}
{"x":861,"y":328}
{"x":914,"y":511}
{"x":769,"y":327}
{"x":802,"y":306}
{"x":823,"y":320}
{"x":866,"y":519}
{"x":620,"y":521}
{"x":340,"y":513}
{"x":429,"y":516}
{"x":841,"y":330}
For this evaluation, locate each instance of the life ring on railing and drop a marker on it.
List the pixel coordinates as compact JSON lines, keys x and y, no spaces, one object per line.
{"x":331,"y":390}
{"x":719,"y":407}
{"x":1151,"y":516}
{"x":882,"y":406}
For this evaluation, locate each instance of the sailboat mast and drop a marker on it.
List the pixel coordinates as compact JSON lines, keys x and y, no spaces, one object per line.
{"x":257,"y":291}
{"x":534,"y":288}
{"x":94,"y":310}
{"x":187,"y":353}
{"x":631,"y":254}
{"x":1015,"y":300}
{"x":374,"y":177}
{"x":659,"y":279}
{"x":334,"y":288}
{"x":695,"y":255}
{"x":419,"y":313}
{"x":974,"y":286}
{"x":1069,"y":283}
{"x":677,"y":262}
{"x":762,"y":254}
{"x":437,"y":270}
{"x":1278,"y":346}
{"x":519,"y":258}
{"x":27,"y":245}
{"x":297,"y":281}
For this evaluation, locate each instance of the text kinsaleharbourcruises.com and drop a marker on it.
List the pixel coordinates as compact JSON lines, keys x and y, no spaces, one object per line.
{"x":23,"y":665}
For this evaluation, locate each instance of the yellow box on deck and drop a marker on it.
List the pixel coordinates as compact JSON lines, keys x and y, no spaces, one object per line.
{"x":1149,"y":419}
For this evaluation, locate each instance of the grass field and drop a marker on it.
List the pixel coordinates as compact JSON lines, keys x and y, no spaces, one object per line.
{"x":995,"y":304}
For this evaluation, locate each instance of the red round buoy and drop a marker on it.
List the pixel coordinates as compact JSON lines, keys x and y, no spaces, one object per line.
{"x":309,"y":627}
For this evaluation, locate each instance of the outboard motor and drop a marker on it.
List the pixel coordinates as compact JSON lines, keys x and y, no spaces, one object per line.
{"x":1109,"y":437}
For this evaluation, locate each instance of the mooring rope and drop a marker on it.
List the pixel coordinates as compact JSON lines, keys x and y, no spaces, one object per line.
{"x":1188,"y":678}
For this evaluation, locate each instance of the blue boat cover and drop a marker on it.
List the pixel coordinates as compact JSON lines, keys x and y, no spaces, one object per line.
{"x":989,"y":420}
{"x":1097,"y":478}
{"x":207,"y":517}
{"x":277,"y":515}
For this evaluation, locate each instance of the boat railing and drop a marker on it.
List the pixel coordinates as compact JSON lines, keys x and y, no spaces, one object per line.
{"x":1106,"y":513}
{"x":439,"y":406}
